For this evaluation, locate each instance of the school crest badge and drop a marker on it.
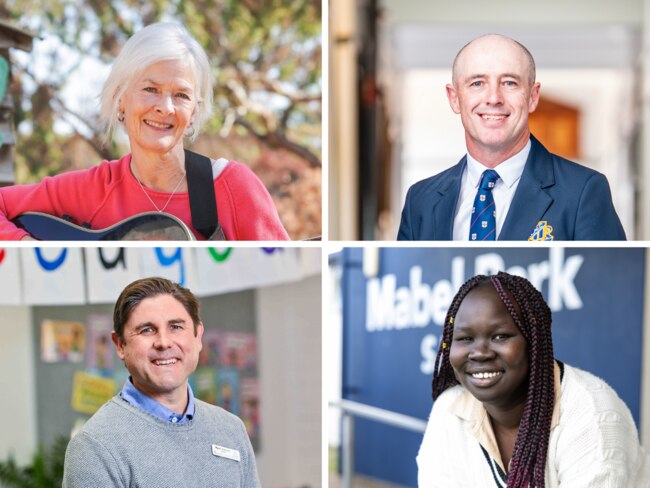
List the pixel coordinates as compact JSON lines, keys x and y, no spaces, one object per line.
{"x":542,"y":232}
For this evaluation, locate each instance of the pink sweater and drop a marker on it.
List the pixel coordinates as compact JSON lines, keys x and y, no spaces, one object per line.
{"x":105,"y":194}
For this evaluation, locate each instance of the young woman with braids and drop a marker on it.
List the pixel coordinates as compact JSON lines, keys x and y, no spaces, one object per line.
{"x":507,"y":414}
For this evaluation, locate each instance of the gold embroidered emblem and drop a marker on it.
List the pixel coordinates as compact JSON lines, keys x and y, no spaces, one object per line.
{"x":542,"y":232}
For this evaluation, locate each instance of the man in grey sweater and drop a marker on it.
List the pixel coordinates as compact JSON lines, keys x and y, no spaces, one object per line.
{"x":155,"y":433}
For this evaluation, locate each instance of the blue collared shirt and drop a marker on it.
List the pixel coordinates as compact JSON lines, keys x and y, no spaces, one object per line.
{"x":135,"y":397}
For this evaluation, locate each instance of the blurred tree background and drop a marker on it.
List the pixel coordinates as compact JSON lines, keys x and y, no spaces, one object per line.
{"x":266,"y":60}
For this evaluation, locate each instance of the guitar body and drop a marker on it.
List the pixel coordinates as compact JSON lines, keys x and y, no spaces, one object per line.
{"x":148,"y":226}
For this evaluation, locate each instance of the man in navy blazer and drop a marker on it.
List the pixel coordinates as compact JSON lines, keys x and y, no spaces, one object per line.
{"x":540,"y":196}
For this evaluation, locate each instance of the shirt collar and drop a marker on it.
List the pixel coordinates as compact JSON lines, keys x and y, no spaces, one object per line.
{"x":135,"y":397}
{"x":509,"y":170}
{"x":472,"y":411}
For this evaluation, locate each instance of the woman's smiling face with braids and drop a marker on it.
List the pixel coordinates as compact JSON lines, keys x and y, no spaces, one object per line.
{"x":488,"y":352}
{"x":499,"y":328}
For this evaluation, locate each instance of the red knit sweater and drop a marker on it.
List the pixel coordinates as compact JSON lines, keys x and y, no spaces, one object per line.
{"x":105,"y":194}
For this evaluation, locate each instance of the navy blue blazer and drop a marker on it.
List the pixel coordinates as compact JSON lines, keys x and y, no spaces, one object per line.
{"x":555,"y":196}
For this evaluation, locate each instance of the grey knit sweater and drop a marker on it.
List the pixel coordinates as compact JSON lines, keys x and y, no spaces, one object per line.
{"x":124,"y":446}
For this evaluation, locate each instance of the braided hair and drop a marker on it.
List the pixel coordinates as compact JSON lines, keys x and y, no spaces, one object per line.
{"x":531,"y":314}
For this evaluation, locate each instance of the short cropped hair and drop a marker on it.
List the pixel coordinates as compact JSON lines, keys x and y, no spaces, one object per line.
{"x":531,"y":61}
{"x":163,"y":41}
{"x":145,"y":288}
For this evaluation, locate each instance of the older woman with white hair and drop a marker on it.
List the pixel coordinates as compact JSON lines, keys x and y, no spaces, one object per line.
{"x":160,"y":91}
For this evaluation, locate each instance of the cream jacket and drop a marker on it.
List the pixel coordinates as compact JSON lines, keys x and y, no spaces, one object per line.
{"x":593,"y":444}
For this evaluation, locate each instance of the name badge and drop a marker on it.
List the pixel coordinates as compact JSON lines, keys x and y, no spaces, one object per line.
{"x":224,"y":452}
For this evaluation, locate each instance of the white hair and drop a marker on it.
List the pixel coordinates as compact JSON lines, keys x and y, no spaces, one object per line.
{"x":163,"y":41}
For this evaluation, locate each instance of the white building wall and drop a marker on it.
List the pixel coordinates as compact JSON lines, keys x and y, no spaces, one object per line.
{"x":289,"y":332}
{"x":515,"y":11}
{"x":18,"y":400}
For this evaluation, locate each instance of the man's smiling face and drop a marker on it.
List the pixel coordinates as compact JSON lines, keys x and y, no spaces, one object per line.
{"x":160,"y":347}
{"x":493,"y":94}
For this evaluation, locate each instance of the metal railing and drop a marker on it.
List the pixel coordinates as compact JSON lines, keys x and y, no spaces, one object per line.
{"x":350,"y":410}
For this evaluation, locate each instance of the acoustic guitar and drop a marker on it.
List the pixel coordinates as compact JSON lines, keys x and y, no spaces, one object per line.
{"x":148,"y":226}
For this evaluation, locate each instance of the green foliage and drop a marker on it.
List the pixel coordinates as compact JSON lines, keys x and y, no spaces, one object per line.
{"x":4,"y":76}
{"x":45,"y":470}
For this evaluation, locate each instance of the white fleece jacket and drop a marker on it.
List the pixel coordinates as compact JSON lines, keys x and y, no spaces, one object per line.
{"x":593,"y":444}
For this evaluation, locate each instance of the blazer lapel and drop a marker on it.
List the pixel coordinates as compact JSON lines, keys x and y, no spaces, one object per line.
{"x":445,"y":208}
{"x":531,"y":199}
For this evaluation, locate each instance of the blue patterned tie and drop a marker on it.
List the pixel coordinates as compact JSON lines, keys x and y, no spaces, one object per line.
{"x":483,"y":225}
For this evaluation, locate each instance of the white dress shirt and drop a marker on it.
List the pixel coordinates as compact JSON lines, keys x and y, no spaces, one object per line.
{"x":510,"y":172}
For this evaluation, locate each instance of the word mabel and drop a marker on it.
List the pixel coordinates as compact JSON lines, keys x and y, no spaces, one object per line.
{"x":389,"y":307}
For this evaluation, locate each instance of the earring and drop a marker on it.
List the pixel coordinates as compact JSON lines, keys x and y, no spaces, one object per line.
{"x":120,"y":116}
{"x":189,"y":132}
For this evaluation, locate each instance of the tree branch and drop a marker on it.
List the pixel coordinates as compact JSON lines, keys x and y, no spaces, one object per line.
{"x":95,"y":140}
{"x":278,"y":139}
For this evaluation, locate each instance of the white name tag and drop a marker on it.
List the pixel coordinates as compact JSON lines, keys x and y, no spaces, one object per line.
{"x":225,"y":452}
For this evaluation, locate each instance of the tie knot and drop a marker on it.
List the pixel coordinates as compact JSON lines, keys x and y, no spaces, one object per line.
{"x":488,"y":179}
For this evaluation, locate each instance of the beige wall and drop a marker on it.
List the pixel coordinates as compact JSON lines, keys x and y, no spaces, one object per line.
{"x":343,"y":120}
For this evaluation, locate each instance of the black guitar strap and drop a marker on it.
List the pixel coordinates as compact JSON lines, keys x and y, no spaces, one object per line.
{"x":203,"y":201}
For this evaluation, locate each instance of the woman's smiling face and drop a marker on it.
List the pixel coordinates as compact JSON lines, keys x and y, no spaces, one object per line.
{"x":488,"y":352}
{"x":158,"y":106}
